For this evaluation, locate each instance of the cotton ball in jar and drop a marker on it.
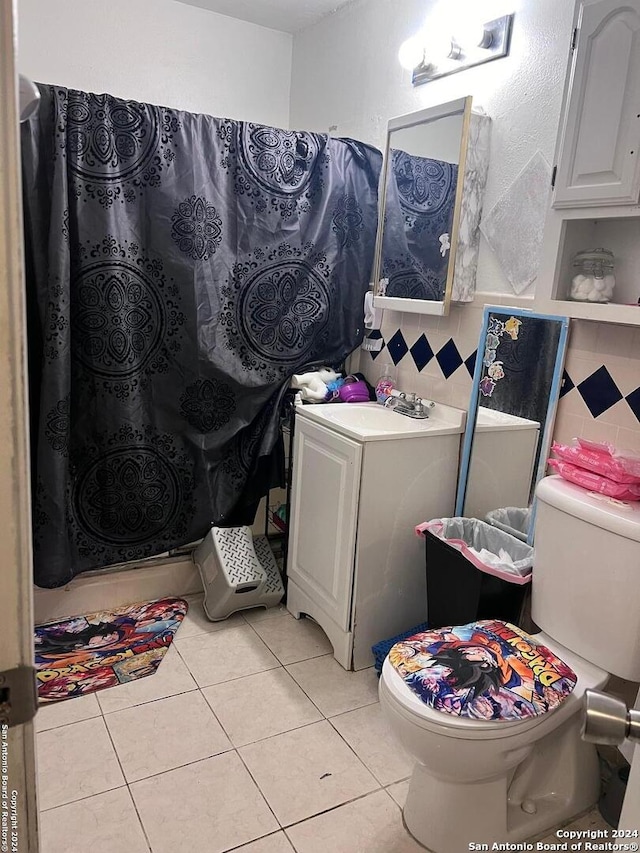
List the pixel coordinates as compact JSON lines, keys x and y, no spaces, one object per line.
{"x":609,"y":284}
{"x":581,"y":286}
{"x":576,"y":283}
{"x":594,"y":295}
{"x":586,"y":289}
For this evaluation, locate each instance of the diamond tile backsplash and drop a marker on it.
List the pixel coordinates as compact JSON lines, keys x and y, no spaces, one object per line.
{"x":421,"y":353}
{"x":397,"y":347}
{"x":599,"y":391}
{"x":600,"y":396}
{"x":449,"y":358}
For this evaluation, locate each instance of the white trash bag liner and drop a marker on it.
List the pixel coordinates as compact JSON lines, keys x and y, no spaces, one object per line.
{"x":490,"y":550}
{"x":512,"y":519}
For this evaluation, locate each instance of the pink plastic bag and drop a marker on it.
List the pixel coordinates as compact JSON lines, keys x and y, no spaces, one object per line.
{"x":596,"y":482}
{"x":601,"y":459}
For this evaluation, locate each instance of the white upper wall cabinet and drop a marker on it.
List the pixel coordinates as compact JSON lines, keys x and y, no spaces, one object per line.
{"x":596,"y":200}
{"x":599,"y":154}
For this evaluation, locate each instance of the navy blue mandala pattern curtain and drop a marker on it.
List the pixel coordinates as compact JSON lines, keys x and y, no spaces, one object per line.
{"x":419,"y":209}
{"x":180,"y":268}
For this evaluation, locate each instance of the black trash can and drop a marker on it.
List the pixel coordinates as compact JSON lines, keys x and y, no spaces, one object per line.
{"x":461,"y":588}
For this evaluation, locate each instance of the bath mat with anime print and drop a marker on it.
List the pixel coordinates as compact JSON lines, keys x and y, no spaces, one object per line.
{"x":88,"y":653}
{"x":487,"y":670}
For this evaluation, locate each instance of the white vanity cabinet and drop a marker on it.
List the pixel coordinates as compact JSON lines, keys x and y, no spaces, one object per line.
{"x":359,"y":489}
{"x":599,"y":155}
{"x":324,"y":508}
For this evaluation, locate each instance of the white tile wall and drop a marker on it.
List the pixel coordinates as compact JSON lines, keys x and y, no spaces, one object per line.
{"x":591,"y":345}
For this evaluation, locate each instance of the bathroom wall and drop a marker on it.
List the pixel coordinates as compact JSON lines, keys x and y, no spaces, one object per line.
{"x":346,"y":77}
{"x":161,"y":52}
{"x":601,"y":394}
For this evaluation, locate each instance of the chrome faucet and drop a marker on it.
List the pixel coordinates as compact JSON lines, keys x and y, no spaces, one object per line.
{"x":411,"y":405}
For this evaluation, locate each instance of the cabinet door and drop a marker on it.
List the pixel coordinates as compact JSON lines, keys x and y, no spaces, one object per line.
{"x":324,"y":506}
{"x":599,"y":161}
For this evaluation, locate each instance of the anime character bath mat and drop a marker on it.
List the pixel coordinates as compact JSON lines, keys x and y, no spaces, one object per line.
{"x":487,"y":670}
{"x":88,"y":653}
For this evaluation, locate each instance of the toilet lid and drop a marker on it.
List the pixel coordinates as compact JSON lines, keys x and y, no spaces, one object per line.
{"x":488,"y":670}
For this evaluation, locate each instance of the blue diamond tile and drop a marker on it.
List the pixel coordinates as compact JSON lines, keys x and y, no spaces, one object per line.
{"x":633,"y":399}
{"x":567,"y":384}
{"x":599,"y":391}
{"x":397,"y":347}
{"x":374,"y":355}
{"x":449,"y":358}
{"x":421,"y":352}
{"x":374,"y":334}
{"x":470,"y":363}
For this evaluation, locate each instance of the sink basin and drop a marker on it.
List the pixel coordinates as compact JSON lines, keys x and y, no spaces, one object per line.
{"x":373,"y":422}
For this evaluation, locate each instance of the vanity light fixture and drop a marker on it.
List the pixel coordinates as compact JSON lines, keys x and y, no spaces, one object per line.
{"x":430,"y":54}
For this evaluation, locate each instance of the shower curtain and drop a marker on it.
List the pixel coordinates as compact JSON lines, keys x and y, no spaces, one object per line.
{"x":180,"y":269}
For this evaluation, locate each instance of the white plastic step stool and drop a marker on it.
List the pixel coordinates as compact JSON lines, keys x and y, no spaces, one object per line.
{"x":238,"y":571}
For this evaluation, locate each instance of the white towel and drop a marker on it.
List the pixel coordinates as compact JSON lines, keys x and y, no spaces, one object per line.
{"x":311,"y":386}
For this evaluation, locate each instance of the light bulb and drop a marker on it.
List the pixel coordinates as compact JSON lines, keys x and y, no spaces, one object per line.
{"x":473,"y":35}
{"x":437,"y":43}
{"x":411,"y":53}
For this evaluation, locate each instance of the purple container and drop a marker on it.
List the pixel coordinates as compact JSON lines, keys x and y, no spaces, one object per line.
{"x":355,"y":392}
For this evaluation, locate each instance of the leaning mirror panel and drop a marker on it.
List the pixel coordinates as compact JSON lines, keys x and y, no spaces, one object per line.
{"x":516,"y":387}
{"x":436,"y":163}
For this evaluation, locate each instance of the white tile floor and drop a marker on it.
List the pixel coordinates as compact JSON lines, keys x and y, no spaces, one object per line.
{"x":250,"y":737}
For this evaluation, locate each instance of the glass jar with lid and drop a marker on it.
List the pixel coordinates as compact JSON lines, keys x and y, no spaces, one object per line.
{"x":593,"y":278}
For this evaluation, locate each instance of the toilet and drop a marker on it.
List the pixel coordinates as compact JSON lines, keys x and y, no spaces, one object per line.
{"x":507,"y":781}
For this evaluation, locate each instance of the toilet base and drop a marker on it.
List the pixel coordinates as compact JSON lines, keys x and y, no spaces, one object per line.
{"x":559,"y":778}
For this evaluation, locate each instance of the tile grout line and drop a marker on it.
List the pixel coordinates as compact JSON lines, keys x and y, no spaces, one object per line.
{"x":126,"y":783}
{"x":335,"y":808}
{"x":268,"y":737}
{"x":140,"y":821}
{"x":357,"y":707}
{"x":280,"y":734}
{"x":82,"y":799}
{"x":64,"y":725}
{"x":259,"y":789}
{"x":150,"y":702}
{"x":261,"y":838}
{"x":361,"y":760}
{"x":284,"y":827}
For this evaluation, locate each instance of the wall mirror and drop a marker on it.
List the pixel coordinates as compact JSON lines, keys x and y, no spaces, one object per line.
{"x":435,"y":171}
{"x":516,"y":387}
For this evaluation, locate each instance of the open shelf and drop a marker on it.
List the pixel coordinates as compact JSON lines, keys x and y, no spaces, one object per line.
{"x":411,"y":306}
{"x":622,"y":237}
{"x":574,"y":231}
{"x":600,"y":312}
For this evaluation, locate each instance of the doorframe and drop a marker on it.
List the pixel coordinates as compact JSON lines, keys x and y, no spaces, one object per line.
{"x":16,"y":579}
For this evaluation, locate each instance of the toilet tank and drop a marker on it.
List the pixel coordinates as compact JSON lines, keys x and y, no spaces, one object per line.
{"x":586,"y":575}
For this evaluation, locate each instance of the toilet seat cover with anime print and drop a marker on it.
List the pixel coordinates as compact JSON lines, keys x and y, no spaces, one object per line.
{"x":488,"y":670}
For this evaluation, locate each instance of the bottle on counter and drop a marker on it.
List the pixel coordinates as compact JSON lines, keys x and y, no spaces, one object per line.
{"x":593,"y":279}
{"x":386,"y":382}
